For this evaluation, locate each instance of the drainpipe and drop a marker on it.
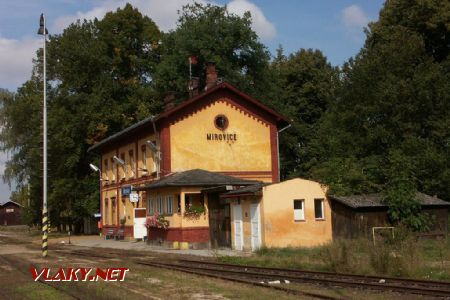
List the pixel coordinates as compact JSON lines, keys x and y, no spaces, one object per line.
{"x":278,"y":150}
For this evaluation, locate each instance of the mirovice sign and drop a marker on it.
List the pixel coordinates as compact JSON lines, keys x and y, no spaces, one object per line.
{"x":232,"y":137}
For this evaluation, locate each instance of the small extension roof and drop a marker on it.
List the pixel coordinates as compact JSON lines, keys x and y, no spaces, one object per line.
{"x":376,"y":200}
{"x":196,"y":177}
{"x":251,"y":190}
{"x":281,"y":121}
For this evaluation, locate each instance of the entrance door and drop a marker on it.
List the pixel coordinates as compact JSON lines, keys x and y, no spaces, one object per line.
{"x":256,"y":226}
{"x":238,"y":234}
{"x":139,"y":223}
{"x":219,"y":221}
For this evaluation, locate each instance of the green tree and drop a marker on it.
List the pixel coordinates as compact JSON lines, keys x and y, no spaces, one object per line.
{"x":211,"y":33}
{"x":100,"y":81}
{"x":304,"y":84}
{"x":395,"y":98}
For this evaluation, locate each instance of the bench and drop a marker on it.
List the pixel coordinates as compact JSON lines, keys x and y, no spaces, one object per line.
{"x":109,"y":234}
{"x":119,"y":235}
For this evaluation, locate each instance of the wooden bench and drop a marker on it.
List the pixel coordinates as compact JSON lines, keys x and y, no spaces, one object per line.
{"x":119,"y":235}
{"x":109,"y":234}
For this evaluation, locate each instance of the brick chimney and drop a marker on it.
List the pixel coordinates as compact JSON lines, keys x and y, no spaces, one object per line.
{"x":169,"y":100}
{"x":211,"y":75}
{"x":193,"y":86}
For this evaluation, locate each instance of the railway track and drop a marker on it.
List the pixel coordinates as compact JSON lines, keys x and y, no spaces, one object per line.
{"x":260,"y":276}
{"x":401,"y":285}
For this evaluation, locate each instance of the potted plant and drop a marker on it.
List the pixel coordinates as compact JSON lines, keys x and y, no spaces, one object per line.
{"x":194,"y":211}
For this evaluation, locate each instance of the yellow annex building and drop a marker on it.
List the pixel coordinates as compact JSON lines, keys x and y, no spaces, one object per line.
{"x":178,"y":176}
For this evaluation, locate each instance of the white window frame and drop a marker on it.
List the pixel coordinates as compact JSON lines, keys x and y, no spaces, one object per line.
{"x":151,"y":206}
{"x":160,"y":205}
{"x":9,"y":210}
{"x":169,"y":205}
{"x":299,"y":214}
{"x":132,"y":165}
{"x":144,"y":162}
{"x":113,"y":170}
{"x":322,"y":207}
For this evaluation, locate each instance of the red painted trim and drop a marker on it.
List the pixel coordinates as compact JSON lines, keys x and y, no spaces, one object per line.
{"x":180,"y":234}
{"x":165,"y":150}
{"x":274,"y":153}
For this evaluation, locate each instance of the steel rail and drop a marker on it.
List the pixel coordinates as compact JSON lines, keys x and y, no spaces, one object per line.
{"x":427,"y":283}
{"x":330,"y":282}
{"x":234,"y":279}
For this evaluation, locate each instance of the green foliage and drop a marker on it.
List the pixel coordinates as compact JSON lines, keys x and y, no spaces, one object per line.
{"x":390,"y":126}
{"x":211,"y":33}
{"x":194,"y":211}
{"x":100,"y":74}
{"x":305,"y":83}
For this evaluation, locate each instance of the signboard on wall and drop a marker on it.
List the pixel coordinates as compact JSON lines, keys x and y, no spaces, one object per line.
{"x":134,"y":197}
{"x":126,"y":190}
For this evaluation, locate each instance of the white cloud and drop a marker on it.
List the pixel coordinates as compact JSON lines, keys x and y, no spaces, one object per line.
{"x":16,"y":60}
{"x":165,"y":13}
{"x":354,"y":17}
{"x":260,"y":24}
{"x":16,"y":54}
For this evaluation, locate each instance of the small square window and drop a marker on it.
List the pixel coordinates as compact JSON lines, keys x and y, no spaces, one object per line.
{"x":318,"y":209}
{"x":299,"y":210}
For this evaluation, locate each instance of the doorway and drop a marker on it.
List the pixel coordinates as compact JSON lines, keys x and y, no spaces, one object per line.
{"x":219,"y":221}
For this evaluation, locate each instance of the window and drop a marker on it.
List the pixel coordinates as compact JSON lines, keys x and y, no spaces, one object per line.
{"x":169,"y":205}
{"x":178,"y":204}
{"x":113,"y":169}
{"x":155,"y":159}
{"x":318,"y":209}
{"x":151,"y":209}
{"x":124,"y":167}
{"x":221,"y":122}
{"x":132,"y":162}
{"x":9,"y":210}
{"x":144,"y":160}
{"x":299,"y":210}
{"x":160,"y":205}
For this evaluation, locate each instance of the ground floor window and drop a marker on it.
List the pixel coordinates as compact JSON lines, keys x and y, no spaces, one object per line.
{"x":318,"y":209}
{"x":169,"y":205}
{"x":160,"y":205}
{"x":299,"y":210}
{"x":151,"y":207}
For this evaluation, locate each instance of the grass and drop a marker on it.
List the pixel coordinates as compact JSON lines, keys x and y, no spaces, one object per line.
{"x":402,"y":256}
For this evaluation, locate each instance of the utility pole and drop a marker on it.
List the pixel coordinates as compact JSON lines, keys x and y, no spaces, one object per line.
{"x":43,"y":31}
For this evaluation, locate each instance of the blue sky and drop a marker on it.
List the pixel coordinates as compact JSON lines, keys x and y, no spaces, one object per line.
{"x":333,"y":26}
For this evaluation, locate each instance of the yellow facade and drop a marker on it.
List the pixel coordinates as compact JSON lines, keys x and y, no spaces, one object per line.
{"x":279,"y":227}
{"x":278,"y":224}
{"x":190,"y":147}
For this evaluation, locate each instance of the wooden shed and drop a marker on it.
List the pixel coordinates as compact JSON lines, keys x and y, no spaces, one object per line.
{"x":11,"y":213}
{"x":356,"y":215}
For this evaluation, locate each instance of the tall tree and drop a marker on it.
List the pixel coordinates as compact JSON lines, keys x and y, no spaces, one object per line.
{"x":100,"y":80}
{"x":395,"y":98}
{"x":211,"y":33}
{"x":303,"y":84}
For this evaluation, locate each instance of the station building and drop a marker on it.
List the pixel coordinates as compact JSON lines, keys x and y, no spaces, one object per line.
{"x":219,"y":140}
